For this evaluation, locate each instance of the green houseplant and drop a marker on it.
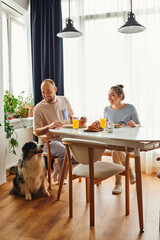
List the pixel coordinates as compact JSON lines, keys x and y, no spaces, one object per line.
{"x":15,"y":108}
{"x":24,"y":104}
{"x":10,"y":106}
{"x":31,"y":108}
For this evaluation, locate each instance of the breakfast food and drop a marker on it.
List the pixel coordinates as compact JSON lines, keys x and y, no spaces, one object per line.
{"x":117,"y":125}
{"x":94,"y":127}
{"x":82,"y":121}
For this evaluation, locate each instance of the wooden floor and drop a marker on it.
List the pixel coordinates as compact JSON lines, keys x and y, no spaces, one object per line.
{"x":45,"y":218}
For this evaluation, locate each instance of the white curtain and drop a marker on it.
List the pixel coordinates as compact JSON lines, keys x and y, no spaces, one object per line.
{"x":19,"y":57}
{"x":103,"y":57}
{"x":16,"y":54}
{"x":5,"y":52}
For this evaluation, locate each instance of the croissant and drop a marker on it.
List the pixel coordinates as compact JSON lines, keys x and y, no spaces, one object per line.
{"x":95,"y":126}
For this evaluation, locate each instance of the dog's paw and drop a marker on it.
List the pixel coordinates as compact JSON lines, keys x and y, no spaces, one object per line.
{"x":28,"y":197}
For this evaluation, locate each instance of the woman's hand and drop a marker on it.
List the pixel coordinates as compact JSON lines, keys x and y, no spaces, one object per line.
{"x":131,"y":123}
{"x":55,"y":124}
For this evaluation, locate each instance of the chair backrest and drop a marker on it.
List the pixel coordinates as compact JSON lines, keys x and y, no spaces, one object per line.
{"x":80,"y":149}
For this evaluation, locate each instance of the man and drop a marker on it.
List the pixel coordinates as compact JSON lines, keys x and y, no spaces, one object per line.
{"x":52,"y":112}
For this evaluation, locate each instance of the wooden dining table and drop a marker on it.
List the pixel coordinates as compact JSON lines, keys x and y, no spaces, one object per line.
{"x":124,"y":138}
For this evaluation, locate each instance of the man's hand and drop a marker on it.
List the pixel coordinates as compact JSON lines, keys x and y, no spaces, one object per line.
{"x":55,"y":124}
{"x":131,"y":123}
{"x":82,"y":121}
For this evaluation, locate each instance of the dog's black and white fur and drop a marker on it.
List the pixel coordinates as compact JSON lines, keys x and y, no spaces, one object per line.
{"x":31,"y":175}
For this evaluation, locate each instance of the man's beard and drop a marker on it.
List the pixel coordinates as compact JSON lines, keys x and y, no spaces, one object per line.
{"x":51,"y":100}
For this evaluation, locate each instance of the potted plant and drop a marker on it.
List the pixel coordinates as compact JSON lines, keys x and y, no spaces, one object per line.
{"x":24,"y":104}
{"x":10,"y":106}
{"x":31,"y":108}
{"x":16,"y":108}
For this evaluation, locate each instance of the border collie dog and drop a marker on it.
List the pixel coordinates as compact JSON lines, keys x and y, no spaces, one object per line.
{"x":31,"y":174}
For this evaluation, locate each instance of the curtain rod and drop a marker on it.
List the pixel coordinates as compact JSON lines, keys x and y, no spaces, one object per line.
{"x":12,"y":8}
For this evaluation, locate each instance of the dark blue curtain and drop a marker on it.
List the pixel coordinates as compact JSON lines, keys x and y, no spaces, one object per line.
{"x":47,"y":48}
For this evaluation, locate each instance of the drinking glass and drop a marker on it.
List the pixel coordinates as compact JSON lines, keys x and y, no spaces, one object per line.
{"x":103,"y":122}
{"x":75,"y":121}
{"x":110,"y":127}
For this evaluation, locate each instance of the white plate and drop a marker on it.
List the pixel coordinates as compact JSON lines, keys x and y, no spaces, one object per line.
{"x":68,"y":126}
{"x":117,"y":126}
{"x":71,"y":126}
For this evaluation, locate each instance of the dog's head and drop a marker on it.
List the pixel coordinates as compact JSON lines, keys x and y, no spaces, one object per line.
{"x":31,"y":148}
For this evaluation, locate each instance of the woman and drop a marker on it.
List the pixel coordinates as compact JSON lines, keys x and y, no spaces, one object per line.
{"x":125,"y":113}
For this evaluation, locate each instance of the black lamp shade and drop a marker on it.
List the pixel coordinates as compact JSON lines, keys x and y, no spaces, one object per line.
{"x":131,"y":26}
{"x":69,"y":31}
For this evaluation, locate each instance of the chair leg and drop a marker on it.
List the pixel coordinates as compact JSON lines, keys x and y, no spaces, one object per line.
{"x":159,"y":221}
{"x":87,"y":191}
{"x":49,"y":164}
{"x":64,"y":168}
{"x":80,"y":179}
{"x":91,"y":176}
{"x":100,"y":159}
{"x":127,"y":183}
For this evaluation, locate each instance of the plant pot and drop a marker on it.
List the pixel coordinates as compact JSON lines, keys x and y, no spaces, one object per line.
{"x":16,"y":115}
{"x":24,"y":112}
{"x":31,"y":108}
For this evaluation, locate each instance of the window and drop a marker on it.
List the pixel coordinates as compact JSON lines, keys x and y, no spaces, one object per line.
{"x":16,"y":53}
{"x":103,"y":57}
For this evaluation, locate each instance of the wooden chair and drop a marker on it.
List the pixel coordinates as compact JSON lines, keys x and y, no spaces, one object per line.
{"x":47,"y":154}
{"x":87,"y":153}
{"x":108,"y":153}
{"x":158,"y":175}
{"x":130,"y":154}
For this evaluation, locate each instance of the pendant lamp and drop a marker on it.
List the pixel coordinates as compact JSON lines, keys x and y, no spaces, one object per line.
{"x":131,"y":26}
{"x":69,"y":31}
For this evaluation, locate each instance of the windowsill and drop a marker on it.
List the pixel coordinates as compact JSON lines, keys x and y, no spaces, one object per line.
{"x":15,"y":120}
{"x":22,"y":122}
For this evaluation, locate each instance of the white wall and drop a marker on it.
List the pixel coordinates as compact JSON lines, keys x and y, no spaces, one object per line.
{"x":23,"y":3}
{"x":2,"y":136}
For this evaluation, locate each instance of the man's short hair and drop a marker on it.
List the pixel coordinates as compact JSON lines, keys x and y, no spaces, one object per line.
{"x":48,"y":80}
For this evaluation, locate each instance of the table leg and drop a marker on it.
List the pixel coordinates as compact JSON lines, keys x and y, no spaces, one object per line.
{"x":139,"y":188}
{"x":64,"y":168}
{"x":91,"y":179}
{"x":127,"y":182}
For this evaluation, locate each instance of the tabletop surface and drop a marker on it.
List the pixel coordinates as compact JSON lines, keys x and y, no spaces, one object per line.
{"x":137,"y":134}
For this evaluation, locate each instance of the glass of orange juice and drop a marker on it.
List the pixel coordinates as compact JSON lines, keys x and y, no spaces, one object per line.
{"x":103,"y":122}
{"x":75,"y":121}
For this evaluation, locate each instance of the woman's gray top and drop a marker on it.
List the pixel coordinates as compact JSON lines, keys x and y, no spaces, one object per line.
{"x":122,"y":115}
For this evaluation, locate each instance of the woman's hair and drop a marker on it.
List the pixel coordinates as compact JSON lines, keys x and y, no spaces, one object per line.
{"x":119,"y":90}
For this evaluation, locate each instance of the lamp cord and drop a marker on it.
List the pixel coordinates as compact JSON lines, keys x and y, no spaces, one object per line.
{"x":69,"y":8}
{"x":131,"y":6}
